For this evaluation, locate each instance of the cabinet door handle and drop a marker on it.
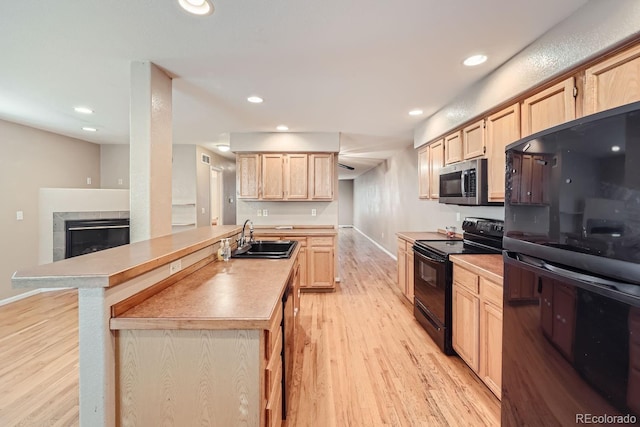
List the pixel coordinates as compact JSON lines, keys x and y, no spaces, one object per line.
{"x":528,"y":193}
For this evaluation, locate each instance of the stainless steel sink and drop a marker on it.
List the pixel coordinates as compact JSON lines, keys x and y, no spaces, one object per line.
{"x":266,"y":249}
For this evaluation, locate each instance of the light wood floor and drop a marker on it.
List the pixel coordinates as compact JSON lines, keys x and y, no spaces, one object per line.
{"x":362,"y":360}
{"x":365,"y":361}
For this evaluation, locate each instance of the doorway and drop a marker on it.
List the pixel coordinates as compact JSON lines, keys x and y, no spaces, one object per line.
{"x":216,"y":196}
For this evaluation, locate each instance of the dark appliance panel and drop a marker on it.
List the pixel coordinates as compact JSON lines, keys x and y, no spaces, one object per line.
{"x":570,"y":352}
{"x":431,"y":275}
{"x":573,"y":194}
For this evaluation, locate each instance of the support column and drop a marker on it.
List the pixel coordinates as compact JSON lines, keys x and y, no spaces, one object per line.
{"x":150,"y":151}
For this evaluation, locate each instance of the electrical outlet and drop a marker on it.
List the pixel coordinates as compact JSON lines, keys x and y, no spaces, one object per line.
{"x":265,"y":212}
{"x":259,"y":212}
{"x":88,"y":180}
{"x":19,"y":215}
{"x":175,"y":266}
{"x":313,"y":212}
{"x":458,"y":216}
{"x":120,"y":181}
{"x":202,"y":211}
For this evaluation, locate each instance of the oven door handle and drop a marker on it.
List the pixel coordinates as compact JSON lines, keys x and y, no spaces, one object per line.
{"x":429,"y":258}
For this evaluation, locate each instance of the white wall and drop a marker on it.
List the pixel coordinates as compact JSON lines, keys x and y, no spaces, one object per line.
{"x":32,"y":159}
{"x":386,"y":202}
{"x":595,"y":27}
{"x":345,"y":210}
{"x":114,"y":166}
{"x":285,"y":142}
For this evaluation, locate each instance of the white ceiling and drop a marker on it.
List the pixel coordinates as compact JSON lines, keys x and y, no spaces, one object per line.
{"x":350,"y":66}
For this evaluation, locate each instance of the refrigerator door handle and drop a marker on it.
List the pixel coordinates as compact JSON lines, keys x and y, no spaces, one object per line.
{"x":593,"y":280}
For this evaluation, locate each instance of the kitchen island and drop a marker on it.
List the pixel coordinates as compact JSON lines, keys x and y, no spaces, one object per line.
{"x":162,"y":321}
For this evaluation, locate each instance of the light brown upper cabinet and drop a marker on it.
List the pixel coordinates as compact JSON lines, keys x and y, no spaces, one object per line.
{"x":321,"y":176}
{"x":473,"y":140}
{"x":503,"y":128}
{"x":424,"y":172}
{"x":453,"y":147}
{"x":613,"y":82}
{"x":436,"y":162}
{"x":550,"y":107}
{"x":297,"y":173}
{"x":248,"y":175}
{"x":285,"y":176}
{"x":272,"y":176}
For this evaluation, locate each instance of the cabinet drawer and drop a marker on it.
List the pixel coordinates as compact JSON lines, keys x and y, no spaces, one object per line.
{"x":491,"y":292}
{"x":302,"y":241}
{"x":273,"y":372}
{"x":271,"y":335}
{"x":321,"y":241}
{"x":466,"y":279}
{"x":273,"y":416}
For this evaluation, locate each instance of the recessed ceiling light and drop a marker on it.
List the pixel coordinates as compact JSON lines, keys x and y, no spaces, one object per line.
{"x":415,"y":112}
{"x":474,"y":60}
{"x":615,"y":148}
{"x":223,"y":147}
{"x":83,"y":110}
{"x":255,"y":99}
{"x":282,"y":128}
{"x":197,"y":7}
{"x":89,"y":129}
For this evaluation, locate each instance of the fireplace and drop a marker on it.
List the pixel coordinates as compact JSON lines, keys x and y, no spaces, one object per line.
{"x":93,"y":235}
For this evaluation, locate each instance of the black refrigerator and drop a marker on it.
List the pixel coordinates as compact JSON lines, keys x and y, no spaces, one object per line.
{"x":571,"y":321}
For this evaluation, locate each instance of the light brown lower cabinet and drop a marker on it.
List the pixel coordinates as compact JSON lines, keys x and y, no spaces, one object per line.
{"x":321,"y":262}
{"x":405,"y":268}
{"x":317,"y":259}
{"x":477,"y":325}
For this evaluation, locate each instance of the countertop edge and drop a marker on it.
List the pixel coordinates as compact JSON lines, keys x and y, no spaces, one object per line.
{"x":467,"y":261}
{"x":74,"y":272}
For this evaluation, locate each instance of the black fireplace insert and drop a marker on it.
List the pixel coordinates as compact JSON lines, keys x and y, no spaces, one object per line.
{"x":87,"y":236}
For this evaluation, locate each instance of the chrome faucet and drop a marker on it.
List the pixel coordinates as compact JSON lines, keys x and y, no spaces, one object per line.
{"x":243,"y":239}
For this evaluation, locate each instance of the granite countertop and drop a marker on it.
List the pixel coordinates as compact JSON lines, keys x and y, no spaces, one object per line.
{"x":489,"y":266}
{"x":113,"y":266}
{"x":238,"y":294}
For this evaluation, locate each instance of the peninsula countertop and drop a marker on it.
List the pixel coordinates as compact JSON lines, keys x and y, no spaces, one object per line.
{"x":113,"y":266}
{"x":238,"y":294}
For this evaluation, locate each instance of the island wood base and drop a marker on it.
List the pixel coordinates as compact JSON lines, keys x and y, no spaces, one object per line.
{"x":189,"y":377}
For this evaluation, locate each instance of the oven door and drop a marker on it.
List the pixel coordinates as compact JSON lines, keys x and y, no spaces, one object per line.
{"x":433,"y":298}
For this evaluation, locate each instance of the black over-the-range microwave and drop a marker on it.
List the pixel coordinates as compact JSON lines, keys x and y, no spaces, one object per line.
{"x":465,"y":183}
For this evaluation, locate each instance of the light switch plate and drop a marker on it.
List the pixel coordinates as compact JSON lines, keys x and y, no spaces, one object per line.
{"x":19,"y":215}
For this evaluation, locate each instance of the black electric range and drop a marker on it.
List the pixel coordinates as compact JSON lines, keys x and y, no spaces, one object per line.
{"x":433,"y":274}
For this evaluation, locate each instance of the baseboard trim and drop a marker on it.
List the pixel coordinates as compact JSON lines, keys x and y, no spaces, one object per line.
{"x":27,"y":295}
{"x":377,"y":244}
